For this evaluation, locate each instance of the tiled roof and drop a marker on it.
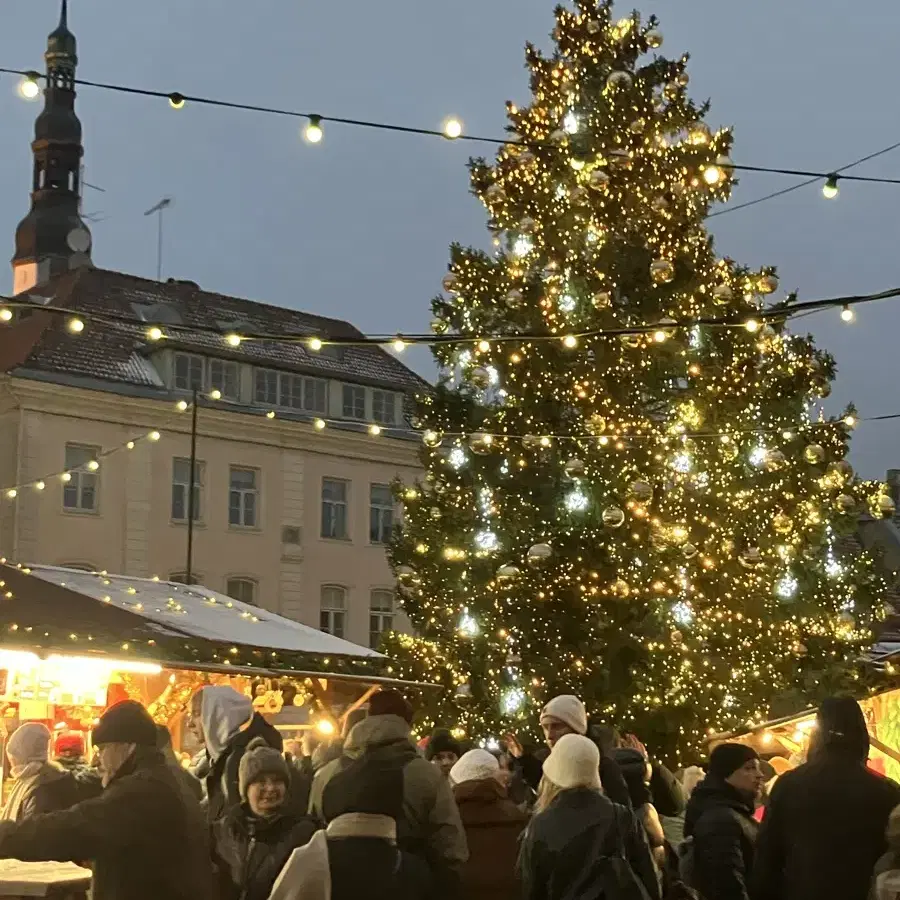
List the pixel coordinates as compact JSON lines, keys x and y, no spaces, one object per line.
{"x":118,"y":352}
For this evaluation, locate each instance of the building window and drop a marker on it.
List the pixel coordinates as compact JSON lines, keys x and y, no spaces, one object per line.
{"x":334,"y":508}
{"x":224,"y":377}
{"x":80,"y":488}
{"x":243,"y":589}
{"x":181,"y":578}
{"x":242,"y":497}
{"x":354,"y":402}
{"x":265,"y":389}
{"x":381,"y":616}
{"x":384,"y":407}
{"x":305,"y":394}
{"x":181,"y":479}
{"x":315,"y":395}
{"x":188,"y":372}
{"x":333,"y":610}
{"x":381,"y":513}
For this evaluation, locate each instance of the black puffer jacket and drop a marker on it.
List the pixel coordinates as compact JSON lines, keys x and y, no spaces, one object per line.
{"x":249,"y":852}
{"x":144,"y":836}
{"x":221,"y":779}
{"x":720,"y":821}
{"x":562,"y":843}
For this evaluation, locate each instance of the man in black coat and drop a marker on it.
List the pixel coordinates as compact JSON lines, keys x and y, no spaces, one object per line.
{"x":720,"y":826}
{"x":144,"y":836}
{"x":824,"y":828}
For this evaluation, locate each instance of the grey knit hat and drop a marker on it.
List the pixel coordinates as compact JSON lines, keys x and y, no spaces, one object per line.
{"x":261,"y":759}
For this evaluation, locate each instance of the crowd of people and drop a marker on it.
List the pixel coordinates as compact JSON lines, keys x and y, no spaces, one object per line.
{"x":589,"y":816}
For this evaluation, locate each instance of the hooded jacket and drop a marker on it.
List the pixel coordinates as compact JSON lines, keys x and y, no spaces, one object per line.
{"x":144,"y":837}
{"x":431,"y":826}
{"x":229,"y":724}
{"x":493,"y":824}
{"x":561,"y":846}
{"x":720,"y":821}
{"x":824,"y":830}
{"x":40,"y":788}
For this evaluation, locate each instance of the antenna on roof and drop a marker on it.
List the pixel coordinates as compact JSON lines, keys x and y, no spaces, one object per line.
{"x":165,"y":203}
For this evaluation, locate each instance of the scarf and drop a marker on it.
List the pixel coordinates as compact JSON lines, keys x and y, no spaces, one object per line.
{"x":307,"y":876}
{"x":25,"y":777}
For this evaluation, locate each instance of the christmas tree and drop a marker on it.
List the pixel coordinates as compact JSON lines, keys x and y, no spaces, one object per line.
{"x":619,"y":502}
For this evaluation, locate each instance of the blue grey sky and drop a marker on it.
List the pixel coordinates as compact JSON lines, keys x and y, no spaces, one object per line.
{"x":358,"y":227}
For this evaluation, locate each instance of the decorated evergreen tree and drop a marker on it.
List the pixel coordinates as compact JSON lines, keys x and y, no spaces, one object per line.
{"x":619,"y":502}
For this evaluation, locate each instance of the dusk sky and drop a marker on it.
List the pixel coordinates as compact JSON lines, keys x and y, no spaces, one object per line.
{"x":358,"y":227}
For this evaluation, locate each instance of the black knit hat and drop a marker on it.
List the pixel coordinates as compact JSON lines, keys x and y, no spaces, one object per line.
{"x":726,"y":759}
{"x":441,"y":741}
{"x":126,"y":723}
{"x":841,"y":725}
{"x":390,"y":703}
{"x":372,"y":783}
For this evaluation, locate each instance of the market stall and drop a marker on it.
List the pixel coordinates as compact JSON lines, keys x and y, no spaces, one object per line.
{"x":72,"y":643}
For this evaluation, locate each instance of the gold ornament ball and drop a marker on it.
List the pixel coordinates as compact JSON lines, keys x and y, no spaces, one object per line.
{"x":799,"y":649}
{"x":559,"y":136}
{"x":620,"y":159}
{"x":527,"y":225}
{"x":768,"y":284}
{"x":672,"y":91}
{"x":845,"y":503}
{"x":514,"y":299}
{"x":632,"y":341}
{"x":660,"y":203}
{"x":676,"y":637}
{"x":439,"y":326}
{"x":654,"y":39}
{"x":531,"y":441}
{"x":449,"y":282}
{"x":662,"y":271}
{"x":775,"y":459}
{"x":539,"y":554}
{"x":682,"y":79}
{"x":579,"y":195}
{"x":431,"y":438}
{"x":884,"y":505}
{"x":783,"y":523}
{"x":621,"y":588}
{"x":599,"y":179}
{"x":480,"y":377}
{"x":638,"y":126}
{"x":480,"y":442}
{"x":699,"y":133}
{"x":495,"y":194}
{"x":640,"y":490}
{"x":464,"y":691}
{"x":613,"y":517}
{"x":574,"y":468}
{"x":722,"y":294}
{"x":822,"y":387}
{"x":596,"y":424}
{"x":841,"y":469}
{"x":689,"y":551}
{"x":814,"y":454}
{"x":750,"y":558}
{"x":593,"y":26}
{"x":507,"y":573}
{"x":527,"y":158}
{"x":602,"y":300}
{"x":619,"y":81}
{"x":435,"y":512}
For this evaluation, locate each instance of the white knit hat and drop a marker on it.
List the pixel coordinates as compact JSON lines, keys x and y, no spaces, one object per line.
{"x":475,"y":765}
{"x":567,"y":709}
{"x":30,"y":743}
{"x":573,"y":762}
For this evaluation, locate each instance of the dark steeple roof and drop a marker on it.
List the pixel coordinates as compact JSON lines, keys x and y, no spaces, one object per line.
{"x":53,"y":234}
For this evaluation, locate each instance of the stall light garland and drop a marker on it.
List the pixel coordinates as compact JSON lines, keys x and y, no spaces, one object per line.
{"x":663,"y":507}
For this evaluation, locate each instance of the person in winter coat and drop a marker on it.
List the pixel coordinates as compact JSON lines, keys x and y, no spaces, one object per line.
{"x":673,"y":826}
{"x":575,"y":827}
{"x":39,"y":785}
{"x":143,"y":837}
{"x":357,"y":855}
{"x":637,"y":772}
{"x":254,"y":840}
{"x":720,"y":826}
{"x":566,"y":715}
{"x":228,"y":724}
{"x":70,"y":754}
{"x":824,"y":828}
{"x":185,"y":778}
{"x":886,"y":876}
{"x":442,"y":750}
{"x":493,"y":824}
{"x":430,"y":826}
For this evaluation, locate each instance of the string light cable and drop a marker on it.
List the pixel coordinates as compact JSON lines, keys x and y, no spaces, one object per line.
{"x":452,"y":128}
{"x":780,"y":312}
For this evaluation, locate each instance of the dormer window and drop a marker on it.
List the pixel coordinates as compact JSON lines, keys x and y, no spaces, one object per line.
{"x":188,"y":372}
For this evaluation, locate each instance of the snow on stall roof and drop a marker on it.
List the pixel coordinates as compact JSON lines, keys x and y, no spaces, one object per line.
{"x":174,"y":608}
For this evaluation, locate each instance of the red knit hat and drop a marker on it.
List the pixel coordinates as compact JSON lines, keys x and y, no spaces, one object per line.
{"x":71,"y":743}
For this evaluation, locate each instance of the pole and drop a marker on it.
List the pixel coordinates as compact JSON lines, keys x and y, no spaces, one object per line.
{"x":159,"y":246}
{"x":189,"y":566}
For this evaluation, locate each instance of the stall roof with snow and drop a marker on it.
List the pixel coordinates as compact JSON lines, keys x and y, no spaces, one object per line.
{"x":51,"y":609}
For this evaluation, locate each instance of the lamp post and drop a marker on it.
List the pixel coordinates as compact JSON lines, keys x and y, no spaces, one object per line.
{"x":189,"y":565}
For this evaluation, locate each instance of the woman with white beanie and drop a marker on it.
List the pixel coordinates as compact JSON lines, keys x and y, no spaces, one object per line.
{"x":576,"y":830}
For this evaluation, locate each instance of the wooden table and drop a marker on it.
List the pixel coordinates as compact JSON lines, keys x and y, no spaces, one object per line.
{"x":59,"y":881}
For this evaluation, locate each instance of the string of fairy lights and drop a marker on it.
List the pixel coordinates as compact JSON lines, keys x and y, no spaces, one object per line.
{"x":29,"y":88}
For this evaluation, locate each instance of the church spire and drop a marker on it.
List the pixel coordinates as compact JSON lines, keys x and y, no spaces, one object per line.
{"x":53,"y":238}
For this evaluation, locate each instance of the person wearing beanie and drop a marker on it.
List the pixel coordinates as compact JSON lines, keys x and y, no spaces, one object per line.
{"x":228,"y":723}
{"x":430,"y":827}
{"x":576,"y":828}
{"x":442,"y":750}
{"x":566,"y":714}
{"x":39,"y":786}
{"x":824,"y":827}
{"x":253,"y":841}
{"x":143,"y":837}
{"x":719,"y":827}
{"x":69,"y":754}
{"x":493,"y":824}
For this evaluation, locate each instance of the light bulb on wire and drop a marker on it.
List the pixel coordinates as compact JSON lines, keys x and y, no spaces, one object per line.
{"x":830,"y":189}
{"x":176,"y":100}
{"x":29,"y":87}
{"x":313,"y":131}
{"x":452,"y":128}
{"x":847,"y":313}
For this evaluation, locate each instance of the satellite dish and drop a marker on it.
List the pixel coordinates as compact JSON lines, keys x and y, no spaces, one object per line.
{"x":79,"y":240}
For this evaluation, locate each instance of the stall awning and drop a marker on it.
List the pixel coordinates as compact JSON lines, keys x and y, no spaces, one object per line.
{"x":49,"y":609}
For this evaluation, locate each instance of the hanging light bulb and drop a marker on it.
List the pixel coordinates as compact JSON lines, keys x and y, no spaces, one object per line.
{"x":5,"y":315}
{"x":399,"y":345}
{"x":215,"y":394}
{"x":452,"y":128}
{"x":76,"y":326}
{"x":176,"y":100}
{"x":847,"y":313}
{"x":830,"y":189}
{"x":154,"y":333}
{"x":181,"y":405}
{"x":233,"y":340}
{"x":313,"y":131}
{"x":29,"y":86}
{"x":751,"y":325}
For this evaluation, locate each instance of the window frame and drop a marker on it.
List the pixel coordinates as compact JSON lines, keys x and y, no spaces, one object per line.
{"x":268,"y":374}
{"x":383,"y":617}
{"x":227,"y":365}
{"x":378,"y":510}
{"x":353,"y":402}
{"x":328,"y":613}
{"x":191,"y":358}
{"x":256,"y":492}
{"x":243,"y":580}
{"x":380,"y":396}
{"x":199,"y":474}
{"x":333,"y":505}
{"x":176,"y":578}
{"x":79,"y":475}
